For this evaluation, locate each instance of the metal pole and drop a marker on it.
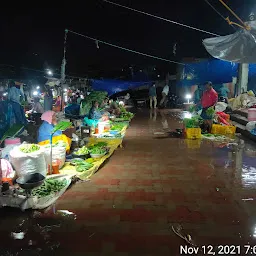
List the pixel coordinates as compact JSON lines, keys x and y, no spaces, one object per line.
{"x":51,"y":154}
{"x":63,"y":68}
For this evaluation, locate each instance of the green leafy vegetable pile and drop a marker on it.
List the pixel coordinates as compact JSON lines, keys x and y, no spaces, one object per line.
{"x":192,"y":109}
{"x":82,"y":151}
{"x":193,"y":122}
{"x":117,"y":127}
{"x":99,"y":148}
{"x":50,"y":186}
{"x":81,"y":165}
{"x":126,"y":115}
{"x":210,"y":112}
{"x":29,"y":148}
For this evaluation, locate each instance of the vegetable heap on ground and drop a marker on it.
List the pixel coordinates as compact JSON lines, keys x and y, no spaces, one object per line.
{"x":82,"y":165}
{"x":125,"y":115}
{"x":117,"y":126}
{"x":82,"y":151}
{"x":62,"y":126}
{"x":29,"y":148}
{"x":193,"y":122}
{"x":87,"y":102}
{"x":50,"y":186}
{"x":98,"y":149}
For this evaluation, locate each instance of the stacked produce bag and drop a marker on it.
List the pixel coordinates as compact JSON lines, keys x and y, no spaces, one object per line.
{"x":28,"y":159}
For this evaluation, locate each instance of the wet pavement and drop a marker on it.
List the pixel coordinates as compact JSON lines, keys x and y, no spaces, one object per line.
{"x":130,"y":205}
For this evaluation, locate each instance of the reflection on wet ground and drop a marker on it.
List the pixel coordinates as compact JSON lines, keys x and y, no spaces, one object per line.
{"x":129,"y":205}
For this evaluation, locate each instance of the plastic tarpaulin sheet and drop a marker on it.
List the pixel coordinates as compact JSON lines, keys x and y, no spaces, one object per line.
{"x":239,"y":47}
{"x":216,"y":71}
{"x":114,"y":86}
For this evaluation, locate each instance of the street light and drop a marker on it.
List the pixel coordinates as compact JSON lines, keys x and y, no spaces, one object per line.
{"x":188,"y":97}
{"x":35,"y":93}
{"x":49,"y":72}
{"x":38,"y":87}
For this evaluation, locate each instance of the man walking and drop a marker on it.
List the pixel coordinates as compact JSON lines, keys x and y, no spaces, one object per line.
{"x":165,"y":93}
{"x":152,"y":96}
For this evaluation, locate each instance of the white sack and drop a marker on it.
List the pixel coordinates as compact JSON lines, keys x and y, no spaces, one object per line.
{"x":28,"y":163}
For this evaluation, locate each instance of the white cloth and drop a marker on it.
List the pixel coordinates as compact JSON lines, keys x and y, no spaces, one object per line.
{"x":166,"y":90}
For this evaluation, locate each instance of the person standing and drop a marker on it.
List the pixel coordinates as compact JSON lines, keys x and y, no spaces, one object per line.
{"x":165,"y":93}
{"x":48,"y":99}
{"x":152,"y":95}
{"x":209,"y":99}
{"x":15,"y":94}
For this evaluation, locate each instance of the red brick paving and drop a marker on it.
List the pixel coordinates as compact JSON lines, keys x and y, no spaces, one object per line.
{"x":149,"y":184}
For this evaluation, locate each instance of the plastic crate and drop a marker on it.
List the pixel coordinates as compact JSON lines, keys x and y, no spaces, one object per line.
{"x":223,"y":129}
{"x":193,"y":133}
{"x":193,"y":144}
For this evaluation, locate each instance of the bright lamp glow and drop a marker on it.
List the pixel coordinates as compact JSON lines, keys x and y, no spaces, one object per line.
{"x":5,"y":94}
{"x":38,"y":87}
{"x":49,"y":72}
{"x":35,"y":93}
{"x":65,"y":90}
{"x":188,"y":96}
{"x":121,"y":103}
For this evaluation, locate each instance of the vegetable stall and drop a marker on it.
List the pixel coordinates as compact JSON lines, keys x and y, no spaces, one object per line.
{"x":34,"y":176}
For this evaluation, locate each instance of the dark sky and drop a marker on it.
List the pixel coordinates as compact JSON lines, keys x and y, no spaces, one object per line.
{"x":33,"y":37}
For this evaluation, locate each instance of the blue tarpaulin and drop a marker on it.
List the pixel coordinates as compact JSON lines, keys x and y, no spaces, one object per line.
{"x":114,"y":86}
{"x":216,"y":71}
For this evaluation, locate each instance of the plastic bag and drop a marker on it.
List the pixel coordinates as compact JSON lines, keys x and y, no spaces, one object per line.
{"x":6,"y":169}
{"x":250,"y":126}
{"x":58,"y":154}
{"x":220,"y":107}
{"x":28,"y":163}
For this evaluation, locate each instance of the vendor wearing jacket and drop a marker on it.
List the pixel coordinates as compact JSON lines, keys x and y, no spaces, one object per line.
{"x":46,"y":128}
{"x":209,"y":99}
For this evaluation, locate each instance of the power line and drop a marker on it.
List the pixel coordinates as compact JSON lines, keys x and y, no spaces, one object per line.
{"x":161,"y":18}
{"x":218,"y":12}
{"x":125,"y":49}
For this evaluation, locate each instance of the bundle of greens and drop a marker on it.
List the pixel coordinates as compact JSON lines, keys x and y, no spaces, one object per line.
{"x":193,"y":122}
{"x":125,"y":115}
{"x":98,"y":148}
{"x":210,"y":112}
{"x":49,"y":186}
{"x":29,"y":148}
{"x":81,"y":165}
{"x":82,"y":151}
{"x":62,"y":126}
{"x":117,"y":127}
{"x":12,"y":131}
{"x":192,"y":109}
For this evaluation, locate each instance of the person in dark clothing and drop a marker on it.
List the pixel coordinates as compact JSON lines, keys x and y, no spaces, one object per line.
{"x":152,"y":96}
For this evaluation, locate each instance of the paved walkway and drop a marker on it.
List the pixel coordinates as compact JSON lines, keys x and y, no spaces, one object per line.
{"x":152,"y":183}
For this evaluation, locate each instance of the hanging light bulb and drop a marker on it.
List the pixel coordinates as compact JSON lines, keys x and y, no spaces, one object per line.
{"x":97,"y":44}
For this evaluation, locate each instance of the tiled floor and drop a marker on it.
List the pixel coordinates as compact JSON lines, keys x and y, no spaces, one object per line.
{"x":152,"y":183}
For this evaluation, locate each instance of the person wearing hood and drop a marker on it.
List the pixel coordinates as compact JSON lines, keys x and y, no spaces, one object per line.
{"x":45,"y":130}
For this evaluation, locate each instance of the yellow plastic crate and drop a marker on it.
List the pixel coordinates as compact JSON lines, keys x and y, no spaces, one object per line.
{"x":193,"y":144}
{"x":193,"y":133}
{"x":223,"y":129}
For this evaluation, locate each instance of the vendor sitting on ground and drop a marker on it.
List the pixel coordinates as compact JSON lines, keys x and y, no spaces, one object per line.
{"x":114,"y":108}
{"x":104,"y":103}
{"x":95,"y":113}
{"x":37,"y":107}
{"x":45,"y":130}
{"x":209,"y":99}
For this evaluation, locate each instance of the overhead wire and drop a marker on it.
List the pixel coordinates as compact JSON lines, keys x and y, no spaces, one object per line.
{"x":218,"y":12}
{"x":125,"y":49}
{"x":161,"y":18}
